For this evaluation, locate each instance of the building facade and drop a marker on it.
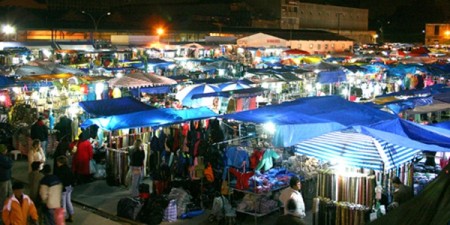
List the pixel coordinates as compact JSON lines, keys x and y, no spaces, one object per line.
{"x":437,"y":34}
{"x":294,"y":14}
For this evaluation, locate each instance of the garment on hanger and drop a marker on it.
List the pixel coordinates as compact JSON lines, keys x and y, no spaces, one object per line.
{"x":242,"y":178}
{"x":256,"y":157}
{"x":235,"y":157}
{"x":267,"y":160}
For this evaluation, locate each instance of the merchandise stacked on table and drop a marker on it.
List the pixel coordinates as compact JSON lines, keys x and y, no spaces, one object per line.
{"x":305,"y":166}
{"x":423,"y":175}
{"x":255,"y":173}
{"x":273,"y":179}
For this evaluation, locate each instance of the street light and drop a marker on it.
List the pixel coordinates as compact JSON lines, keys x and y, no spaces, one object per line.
{"x":95,"y":21}
{"x":160,"y":31}
{"x":8,"y":30}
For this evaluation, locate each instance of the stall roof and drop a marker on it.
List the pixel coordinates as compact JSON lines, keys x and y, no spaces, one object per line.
{"x":357,"y":150}
{"x":116,"y":106}
{"x":324,"y":108}
{"x":150,"y":118}
{"x":422,"y":133}
{"x":309,"y":117}
{"x":241,"y":93}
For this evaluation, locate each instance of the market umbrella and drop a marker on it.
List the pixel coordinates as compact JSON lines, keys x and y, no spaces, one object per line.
{"x":185,"y":94}
{"x":45,"y":64}
{"x":32,"y":70}
{"x":136,"y":80}
{"x":232,"y":86}
{"x":322,"y":66}
{"x":354,"y":149}
{"x":66,"y":69}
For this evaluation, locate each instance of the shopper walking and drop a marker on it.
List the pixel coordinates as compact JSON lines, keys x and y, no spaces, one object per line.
{"x":80,"y":160}
{"x":40,"y":131}
{"x":34,"y":180}
{"x":36,"y":154}
{"x":50,"y":191}
{"x":137,"y":157}
{"x":63,"y":172}
{"x":19,"y":207}
{"x":6,"y":164}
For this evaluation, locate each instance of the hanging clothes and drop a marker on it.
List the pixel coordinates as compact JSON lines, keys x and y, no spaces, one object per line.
{"x":256,"y":157}
{"x":242,"y":178}
{"x":267,"y":160}
{"x":235,"y":157}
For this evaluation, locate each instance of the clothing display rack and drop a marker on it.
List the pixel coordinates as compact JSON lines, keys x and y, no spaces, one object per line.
{"x":327,"y":212}
{"x":343,"y":198}
{"x":118,"y":148}
{"x":354,"y":188}
{"x":242,"y":178}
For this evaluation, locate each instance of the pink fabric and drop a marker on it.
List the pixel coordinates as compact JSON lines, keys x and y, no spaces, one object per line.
{"x":443,"y":162}
{"x":239,"y":104}
{"x":252,"y":103}
{"x":59,"y":216}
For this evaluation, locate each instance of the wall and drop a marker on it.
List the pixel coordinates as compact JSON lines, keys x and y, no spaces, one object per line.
{"x":437,"y":33}
{"x":322,"y":46}
{"x":333,"y":17}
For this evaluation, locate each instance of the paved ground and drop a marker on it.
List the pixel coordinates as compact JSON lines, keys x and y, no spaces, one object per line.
{"x":96,"y":202}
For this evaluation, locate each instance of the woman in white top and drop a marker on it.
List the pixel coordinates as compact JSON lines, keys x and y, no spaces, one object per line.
{"x":36,"y":153}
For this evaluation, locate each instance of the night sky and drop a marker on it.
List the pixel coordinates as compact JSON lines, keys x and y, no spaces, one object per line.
{"x":400,"y":20}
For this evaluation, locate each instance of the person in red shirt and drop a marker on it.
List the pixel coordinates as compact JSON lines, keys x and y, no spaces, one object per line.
{"x":81,"y":158}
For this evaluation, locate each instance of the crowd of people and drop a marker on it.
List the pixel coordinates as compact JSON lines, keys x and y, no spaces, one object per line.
{"x":47,"y":198}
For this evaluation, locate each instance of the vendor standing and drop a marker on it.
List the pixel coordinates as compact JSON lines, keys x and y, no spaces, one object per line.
{"x":402,"y":193}
{"x":293,"y":192}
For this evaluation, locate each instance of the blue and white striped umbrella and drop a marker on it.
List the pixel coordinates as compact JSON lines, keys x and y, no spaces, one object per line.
{"x":230,"y":86}
{"x":356,"y":150}
{"x":185,"y":95}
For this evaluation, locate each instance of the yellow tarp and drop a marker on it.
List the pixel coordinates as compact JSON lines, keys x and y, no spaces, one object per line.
{"x":47,"y":77}
{"x":385,"y":100}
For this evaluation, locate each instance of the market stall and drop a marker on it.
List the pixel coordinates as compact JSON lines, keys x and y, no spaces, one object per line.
{"x":122,"y":129}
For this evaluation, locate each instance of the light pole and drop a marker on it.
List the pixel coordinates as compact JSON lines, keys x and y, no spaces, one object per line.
{"x":95,"y":21}
{"x":339,"y":21}
{"x":8,"y":30}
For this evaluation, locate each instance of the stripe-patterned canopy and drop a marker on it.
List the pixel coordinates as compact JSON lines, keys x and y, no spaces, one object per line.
{"x":356,"y":150}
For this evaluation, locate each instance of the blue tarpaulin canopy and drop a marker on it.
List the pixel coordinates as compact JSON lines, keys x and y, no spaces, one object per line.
{"x":425,"y":134}
{"x":241,"y":93}
{"x":328,"y":77}
{"x":445,"y":125}
{"x":114,"y":106}
{"x":309,"y":117}
{"x":150,"y":118}
{"x":151,"y":90}
{"x":6,"y":82}
{"x":410,"y":103}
